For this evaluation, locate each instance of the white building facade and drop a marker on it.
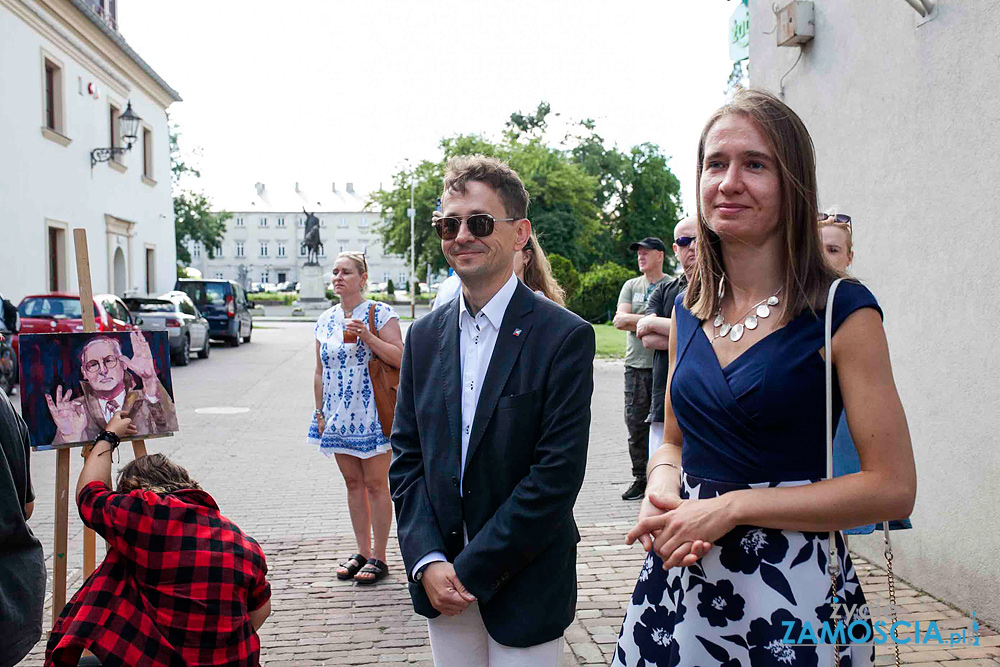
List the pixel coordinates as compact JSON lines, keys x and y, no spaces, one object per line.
{"x":67,"y":75}
{"x":905,"y":115}
{"x":263,"y":240}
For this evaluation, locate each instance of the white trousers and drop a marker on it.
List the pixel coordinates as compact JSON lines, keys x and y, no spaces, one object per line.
{"x":462,"y":641}
{"x":655,"y":437}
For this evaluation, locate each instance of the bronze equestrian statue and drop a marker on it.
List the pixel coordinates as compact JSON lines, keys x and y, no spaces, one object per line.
{"x":311,"y":240}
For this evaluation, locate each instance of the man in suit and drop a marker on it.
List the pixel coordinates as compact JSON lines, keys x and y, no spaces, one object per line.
{"x":490,"y":440}
{"x":106,"y":388}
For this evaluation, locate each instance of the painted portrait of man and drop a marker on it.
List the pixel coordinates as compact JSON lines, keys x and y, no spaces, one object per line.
{"x":111,"y":381}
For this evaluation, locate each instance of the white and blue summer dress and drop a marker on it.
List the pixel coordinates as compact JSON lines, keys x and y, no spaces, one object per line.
{"x":757,"y":423}
{"x":352,"y":424}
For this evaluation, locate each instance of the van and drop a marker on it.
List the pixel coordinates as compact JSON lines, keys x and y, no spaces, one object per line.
{"x":224,"y":304}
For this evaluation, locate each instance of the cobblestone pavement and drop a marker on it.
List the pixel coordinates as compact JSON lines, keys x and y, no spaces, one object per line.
{"x":292,"y":500}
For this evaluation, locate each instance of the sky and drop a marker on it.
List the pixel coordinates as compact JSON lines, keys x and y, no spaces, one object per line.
{"x":324,"y":91}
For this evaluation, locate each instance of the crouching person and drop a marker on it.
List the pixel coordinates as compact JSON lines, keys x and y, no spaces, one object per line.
{"x":180,"y":585}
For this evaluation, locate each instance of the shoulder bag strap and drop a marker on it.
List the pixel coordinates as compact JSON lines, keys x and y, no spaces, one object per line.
{"x":371,"y":319}
{"x":834,"y":564}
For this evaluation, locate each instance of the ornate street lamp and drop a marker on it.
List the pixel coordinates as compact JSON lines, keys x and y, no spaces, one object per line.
{"x":128,"y":124}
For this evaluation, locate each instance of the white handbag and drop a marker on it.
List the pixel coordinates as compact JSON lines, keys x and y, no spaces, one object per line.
{"x":834,"y":564}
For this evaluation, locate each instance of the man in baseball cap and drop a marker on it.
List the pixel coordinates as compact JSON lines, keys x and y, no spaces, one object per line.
{"x":650,"y":243}
{"x":638,"y":360}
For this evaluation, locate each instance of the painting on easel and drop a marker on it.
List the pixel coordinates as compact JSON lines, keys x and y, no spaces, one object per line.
{"x":74,"y":383}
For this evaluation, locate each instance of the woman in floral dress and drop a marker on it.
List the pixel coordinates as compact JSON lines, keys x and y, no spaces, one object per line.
{"x":345,"y":423}
{"x":737,"y":515}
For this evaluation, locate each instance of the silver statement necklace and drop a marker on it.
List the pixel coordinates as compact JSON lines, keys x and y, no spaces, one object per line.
{"x":759,"y":311}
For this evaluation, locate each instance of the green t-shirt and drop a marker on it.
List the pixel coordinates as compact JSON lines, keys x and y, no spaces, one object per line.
{"x":636,"y":292}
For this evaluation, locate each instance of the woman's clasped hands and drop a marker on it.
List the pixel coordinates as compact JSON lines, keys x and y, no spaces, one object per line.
{"x":681,"y":531}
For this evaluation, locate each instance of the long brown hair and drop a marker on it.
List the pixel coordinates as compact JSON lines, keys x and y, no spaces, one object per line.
{"x":538,"y":272}
{"x":807,"y":275}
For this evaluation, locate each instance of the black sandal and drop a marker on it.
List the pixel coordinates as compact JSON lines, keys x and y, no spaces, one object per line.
{"x":375,"y":567}
{"x":353,"y":565}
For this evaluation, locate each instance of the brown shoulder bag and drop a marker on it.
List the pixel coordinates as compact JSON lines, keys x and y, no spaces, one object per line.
{"x":385,"y":381}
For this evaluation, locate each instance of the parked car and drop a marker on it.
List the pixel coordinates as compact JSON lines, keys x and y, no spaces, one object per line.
{"x":175,"y":313}
{"x":287,"y":287}
{"x":60,"y":312}
{"x":225,"y":305}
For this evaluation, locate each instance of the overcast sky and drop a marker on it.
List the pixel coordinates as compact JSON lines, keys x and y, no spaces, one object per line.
{"x":318,"y":91}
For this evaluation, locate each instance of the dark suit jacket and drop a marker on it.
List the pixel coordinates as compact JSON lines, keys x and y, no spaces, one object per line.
{"x":524,"y":468}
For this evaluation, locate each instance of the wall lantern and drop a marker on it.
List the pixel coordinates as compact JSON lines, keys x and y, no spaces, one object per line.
{"x":128,"y":124}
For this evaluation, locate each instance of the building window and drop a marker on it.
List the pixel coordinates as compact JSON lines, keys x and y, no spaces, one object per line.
{"x":342,"y":222}
{"x":217,"y":252}
{"x":239,"y":222}
{"x":114,"y":130}
{"x":262,"y":223}
{"x":281,"y":222}
{"x":150,"y":271}
{"x":363,"y":222}
{"x":57,"y":259}
{"x":218,"y":275}
{"x":364,"y":249}
{"x":322,"y":222}
{"x":281,"y":249}
{"x":302,"y":250}
{"x":239,"y":248}
{"x":53,"y":112}
{"x":263,"y":248}
{"x":302,"y":222}
{"x":264,"y":275}
{"x":196,"y":250}
{"x":147,"y":153}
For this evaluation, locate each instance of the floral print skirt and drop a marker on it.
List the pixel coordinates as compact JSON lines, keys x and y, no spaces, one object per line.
{"x":735,"y":606}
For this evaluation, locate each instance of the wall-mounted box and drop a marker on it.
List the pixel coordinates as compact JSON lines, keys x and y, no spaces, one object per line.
{"x":796,"y":23}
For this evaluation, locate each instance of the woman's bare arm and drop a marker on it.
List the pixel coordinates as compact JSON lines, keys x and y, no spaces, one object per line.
{"x":884,"y":489}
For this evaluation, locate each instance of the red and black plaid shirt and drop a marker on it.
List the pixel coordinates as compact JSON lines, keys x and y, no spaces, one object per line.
{"x":175,"y":588}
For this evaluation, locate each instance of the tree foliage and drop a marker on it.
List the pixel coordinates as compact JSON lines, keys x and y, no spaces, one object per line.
{"x":565,"y":274}
{"x":588,"y":201}
{"x":194,"y":219}
{"x":597,"y":296}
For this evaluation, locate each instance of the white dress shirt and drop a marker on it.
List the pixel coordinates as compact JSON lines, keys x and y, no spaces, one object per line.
{"x":447,"y":290}
{"x":109,"y":413}
{"x":477,"y":339}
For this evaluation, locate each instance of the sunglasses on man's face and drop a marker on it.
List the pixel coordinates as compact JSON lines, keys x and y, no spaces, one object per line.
{"x":685,"y":241}
{"x":479,"y":224}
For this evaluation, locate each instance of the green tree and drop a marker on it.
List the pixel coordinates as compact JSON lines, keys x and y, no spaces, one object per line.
{"x":588,"y":203}
{"x":565,"y":274}
{"x":194,"y":219}
{"x":597,"y":296}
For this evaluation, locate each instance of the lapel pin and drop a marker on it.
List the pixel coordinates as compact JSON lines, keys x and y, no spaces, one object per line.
{"x":517,"y":332}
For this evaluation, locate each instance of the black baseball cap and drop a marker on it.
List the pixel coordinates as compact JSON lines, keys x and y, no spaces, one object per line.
{"x":650,"y":242}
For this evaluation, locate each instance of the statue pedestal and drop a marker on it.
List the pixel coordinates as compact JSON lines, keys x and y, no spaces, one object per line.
{"x":312,"y":290}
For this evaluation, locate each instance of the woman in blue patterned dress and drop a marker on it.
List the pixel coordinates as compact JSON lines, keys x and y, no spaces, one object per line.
{"x":737,"y":515}
{"x":345,"y":423}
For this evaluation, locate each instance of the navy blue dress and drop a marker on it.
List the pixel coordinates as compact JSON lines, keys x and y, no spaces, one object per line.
{"x":757,"y":423}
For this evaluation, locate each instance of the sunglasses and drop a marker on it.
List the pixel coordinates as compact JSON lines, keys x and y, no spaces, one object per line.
{"x":685,"y":241}
{"x":479,"y":224}
{"x":839,"y":217}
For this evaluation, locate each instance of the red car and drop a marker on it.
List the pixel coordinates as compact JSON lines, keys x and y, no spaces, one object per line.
{"x":59,"y":312}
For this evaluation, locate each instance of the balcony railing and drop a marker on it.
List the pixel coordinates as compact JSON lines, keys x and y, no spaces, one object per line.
{"x":107,"y":10}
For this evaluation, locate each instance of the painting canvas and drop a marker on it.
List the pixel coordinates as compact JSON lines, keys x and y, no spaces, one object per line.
{"x":73,"y":383}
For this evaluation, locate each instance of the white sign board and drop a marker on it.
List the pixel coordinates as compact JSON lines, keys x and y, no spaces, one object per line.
{"x":739,"y":33}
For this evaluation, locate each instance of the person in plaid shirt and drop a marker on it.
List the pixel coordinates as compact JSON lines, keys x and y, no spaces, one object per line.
{"x":181,"y":584}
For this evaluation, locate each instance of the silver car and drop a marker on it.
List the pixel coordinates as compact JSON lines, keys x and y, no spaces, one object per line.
{"x":175,"y":313}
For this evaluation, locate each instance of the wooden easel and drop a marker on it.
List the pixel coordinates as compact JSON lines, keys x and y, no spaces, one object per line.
{"x":62,"y":454}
